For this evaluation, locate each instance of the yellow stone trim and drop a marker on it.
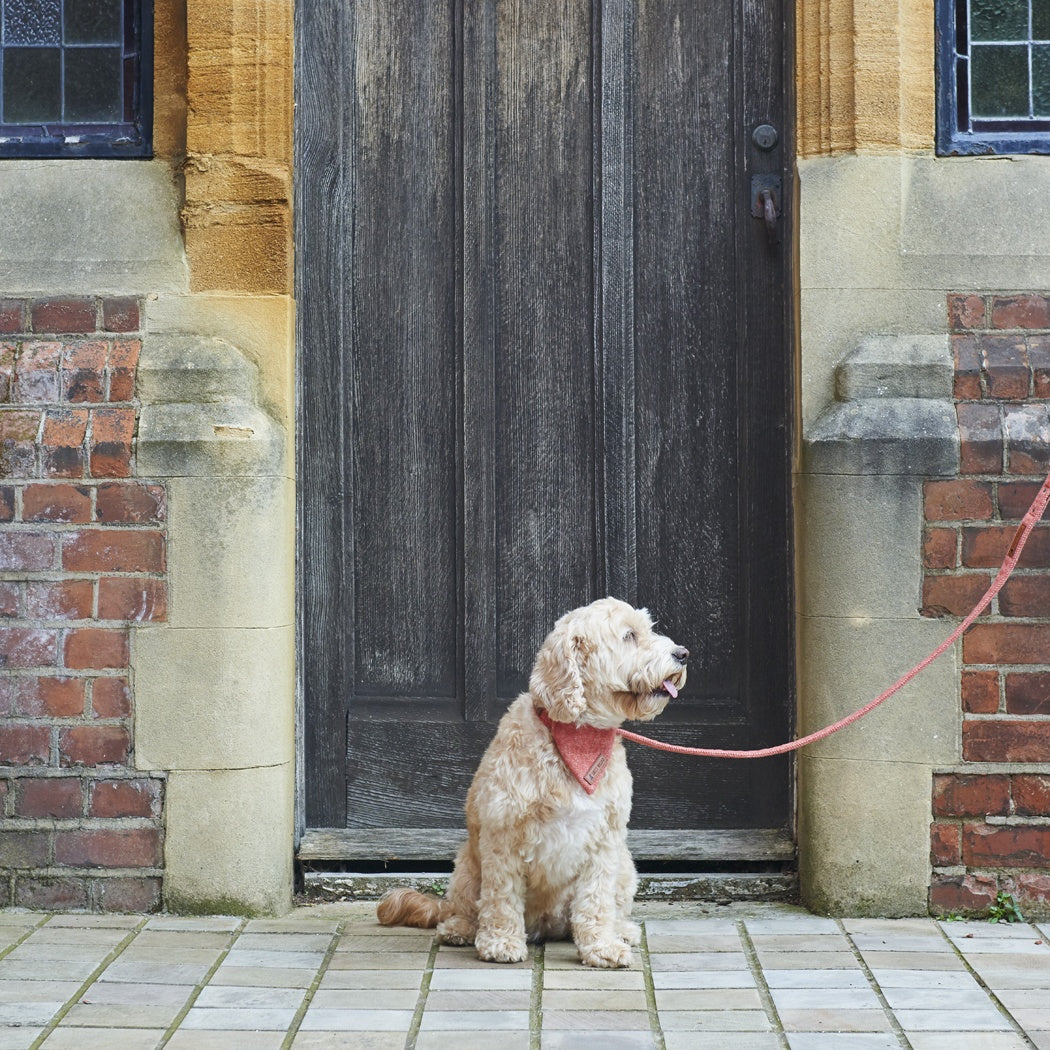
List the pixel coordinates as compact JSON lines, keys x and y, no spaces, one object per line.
{"x":865,"y":76}
{"x":237,"y":214}
{"x":169,"y":79}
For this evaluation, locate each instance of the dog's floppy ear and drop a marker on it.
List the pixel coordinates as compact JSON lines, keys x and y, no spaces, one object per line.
{"x":556,"y":681}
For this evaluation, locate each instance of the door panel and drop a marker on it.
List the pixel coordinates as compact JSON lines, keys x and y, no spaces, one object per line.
{"x":687,"y":187}
{"x":542,"y":394}
{"x":543,"y":357}
{"x":400,"y":378}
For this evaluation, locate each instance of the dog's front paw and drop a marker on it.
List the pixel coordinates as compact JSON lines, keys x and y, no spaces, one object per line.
{"x":456,"y":931}
{"x":630,"y":933}
{"x":502,"y":949}
{"x":611,"y":956}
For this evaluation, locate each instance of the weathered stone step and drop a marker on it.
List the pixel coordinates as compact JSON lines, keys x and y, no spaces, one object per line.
{"x":892,"y":413}
{"x":221,"y":438}
{"x":187,"y":369}
{"x":884,"y":435}
{"x":896,"y":366}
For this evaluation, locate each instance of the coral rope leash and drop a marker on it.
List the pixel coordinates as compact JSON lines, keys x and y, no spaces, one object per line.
{"x":1028,"y":522}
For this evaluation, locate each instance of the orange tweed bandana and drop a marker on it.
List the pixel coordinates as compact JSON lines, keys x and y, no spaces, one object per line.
{"x":584,"y":749}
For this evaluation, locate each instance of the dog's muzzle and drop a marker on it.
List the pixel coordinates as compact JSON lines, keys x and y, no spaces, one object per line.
{"x":671,"y":685}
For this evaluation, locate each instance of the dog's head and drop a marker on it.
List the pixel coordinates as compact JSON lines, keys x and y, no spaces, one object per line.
{"x":603,"y":664}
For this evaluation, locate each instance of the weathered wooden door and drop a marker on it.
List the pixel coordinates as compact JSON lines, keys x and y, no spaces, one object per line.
{"x":544,"y":356}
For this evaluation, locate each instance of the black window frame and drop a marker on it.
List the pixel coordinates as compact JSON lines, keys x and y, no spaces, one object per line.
{"x":125,"y":138}
{"x":958,"y":134}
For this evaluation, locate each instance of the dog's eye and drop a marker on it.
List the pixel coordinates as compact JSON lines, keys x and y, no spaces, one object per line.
{"x":630,"y":636}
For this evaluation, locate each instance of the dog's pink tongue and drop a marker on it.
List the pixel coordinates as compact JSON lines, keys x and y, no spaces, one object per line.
{"x":670,"y":687}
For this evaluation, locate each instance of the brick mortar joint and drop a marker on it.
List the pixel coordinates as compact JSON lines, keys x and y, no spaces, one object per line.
{"x":65,"y":722}
{"x":1001,"y":771}
{"x":991,"y":820}
{"x":81,"y":827}
{"x":81,"y":526}
{"x":986,"y":871}
{"x":1013,"y":820}
{"x":1005,"y":667}
{"x":65,"y":339}
{"x":80,"y":871}
{"x":85,"y":673}
{"x":87,"y":774}
{"x":967,"y":572}
{"x":993,"y":716}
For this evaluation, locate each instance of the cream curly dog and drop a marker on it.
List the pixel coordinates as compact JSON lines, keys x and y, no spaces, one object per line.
{"x":546,"y":855}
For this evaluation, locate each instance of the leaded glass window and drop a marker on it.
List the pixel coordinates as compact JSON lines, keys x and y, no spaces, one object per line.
{"x":75,"y":78}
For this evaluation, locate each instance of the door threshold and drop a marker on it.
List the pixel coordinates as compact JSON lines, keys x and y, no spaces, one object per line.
{"x":716,"y":887}
{"x":725,"y":865}
{"x":711,"y":850}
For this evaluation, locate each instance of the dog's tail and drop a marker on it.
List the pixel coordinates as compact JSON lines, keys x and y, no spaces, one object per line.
{"x":407,"y":907}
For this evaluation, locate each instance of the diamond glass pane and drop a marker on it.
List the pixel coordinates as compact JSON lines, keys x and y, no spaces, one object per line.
{"x":32,"y":22}
{"x":94,"y":21}
{"x":32,"y":85}
{"x":999,"y":81}
{"x":92,"y":85}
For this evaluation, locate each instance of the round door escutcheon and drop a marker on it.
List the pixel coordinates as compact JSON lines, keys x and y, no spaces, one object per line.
{"x":765,"y":137}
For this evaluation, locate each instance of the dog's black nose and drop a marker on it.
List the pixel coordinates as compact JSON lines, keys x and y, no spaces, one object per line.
{"x":681,"y":654}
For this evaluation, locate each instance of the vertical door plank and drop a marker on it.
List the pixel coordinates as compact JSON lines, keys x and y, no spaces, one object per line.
{"x":403,"y":362}
{"x":765,"y":319}
{"x":476,"y":67}
{"x":614,"y":298}
{"x":544,"y":328}
{"x":321,"y":226}
{"x":687,"y":202}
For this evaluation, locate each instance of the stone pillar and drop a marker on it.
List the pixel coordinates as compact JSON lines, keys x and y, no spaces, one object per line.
{"x":863,"y":794}
{"x":217,"y":376}
{"x":216,"y":684}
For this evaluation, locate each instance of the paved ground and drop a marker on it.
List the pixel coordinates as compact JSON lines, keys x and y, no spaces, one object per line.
{"x":753,"y":977}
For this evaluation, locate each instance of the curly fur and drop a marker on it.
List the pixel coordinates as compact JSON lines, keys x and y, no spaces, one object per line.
{"x":544,"y":860}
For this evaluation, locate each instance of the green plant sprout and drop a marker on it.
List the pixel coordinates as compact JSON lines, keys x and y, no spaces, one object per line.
{"x":1004,"y":909}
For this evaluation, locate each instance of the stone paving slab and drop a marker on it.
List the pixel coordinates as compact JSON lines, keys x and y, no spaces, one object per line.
{"x":743,"y":977}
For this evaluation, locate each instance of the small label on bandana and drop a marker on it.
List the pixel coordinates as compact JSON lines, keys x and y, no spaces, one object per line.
{"x":594,"y":774}
{"x":585,"y":750}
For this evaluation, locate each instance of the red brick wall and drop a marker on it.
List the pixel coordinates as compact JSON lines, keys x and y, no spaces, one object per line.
{"x":82,"y":558}
{"x":991,"y":827}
